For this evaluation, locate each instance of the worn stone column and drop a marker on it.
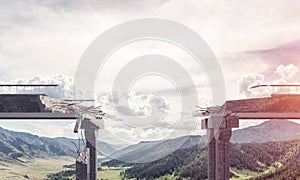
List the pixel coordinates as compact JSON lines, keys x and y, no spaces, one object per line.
{"x":91,"y":136}
{"x":219,"y":130}
{"x":82,"y":164}
{"x":222,"y":153}
{"x":211,"y":154}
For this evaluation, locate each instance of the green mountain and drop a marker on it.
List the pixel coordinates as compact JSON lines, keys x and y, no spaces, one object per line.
{"x":273,"y":130}
{"x":13,"y":143}
{"x":32,"y":145}
{"x":183,"y":157}
{"x":246,"y":160}
{"x":17,"y":144}
{"x":268,"y":160}
{"x":176,"y":163}
{"x":104,"y":148}
{"x":146,"y":151}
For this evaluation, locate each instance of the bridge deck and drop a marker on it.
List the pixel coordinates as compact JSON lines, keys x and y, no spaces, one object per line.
{"x":221,"y":121}
{"x":27,"y":106}
{"x":277,"y":103}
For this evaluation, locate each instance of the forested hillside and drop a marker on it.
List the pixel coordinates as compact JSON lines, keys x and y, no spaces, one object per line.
{"x":273,"y":130}
{"x":291,"y":171}
{"x":245,"y":160}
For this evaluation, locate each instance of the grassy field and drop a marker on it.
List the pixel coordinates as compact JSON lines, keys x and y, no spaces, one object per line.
{"x":242,"y":174}
{"x":246,"y":174}
{"x":36,"y":168}
{"x":39,"y":168}
{"x":110,"y":173}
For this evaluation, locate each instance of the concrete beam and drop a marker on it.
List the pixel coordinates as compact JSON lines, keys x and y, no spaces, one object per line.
{"x":204,"y":123}
{"x":268,"y":115}
{"x":36,"y":115}
{"x":223,"y":134}
{"x":215,"y":122}
{"x":232,"y":121}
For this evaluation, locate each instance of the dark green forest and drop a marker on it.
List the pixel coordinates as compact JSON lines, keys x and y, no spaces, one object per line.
{"x":256,"y":157}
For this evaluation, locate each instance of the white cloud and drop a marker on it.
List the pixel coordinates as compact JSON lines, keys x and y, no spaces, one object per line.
{"x":63,"y":91}
{"x":49,"y":37}
{"x":286,"y":72}
{"x":246,"y":82}
{"x":168,"y":126}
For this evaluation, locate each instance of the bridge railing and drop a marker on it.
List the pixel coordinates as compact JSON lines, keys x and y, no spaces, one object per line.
{"x":278,"y":88}
{"x":49,"y":89}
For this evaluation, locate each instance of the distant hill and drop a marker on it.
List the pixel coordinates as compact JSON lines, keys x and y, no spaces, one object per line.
{"x":107,"y":149}
{"x":273,"y":130}
{"x":33,"y":145}
{"x":146,"y":151}
{"x":16,"y":144}
{"x":104,"y":148}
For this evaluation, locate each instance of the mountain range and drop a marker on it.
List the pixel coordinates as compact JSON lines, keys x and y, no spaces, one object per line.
{"x":272,"y":130}
{"x":145,"y":151}
{"x":29,"y":145}
{"x":272,"y":160}
{"x":247,"y":160}
{"x":266,"y":150}
{"x":16,"y":144}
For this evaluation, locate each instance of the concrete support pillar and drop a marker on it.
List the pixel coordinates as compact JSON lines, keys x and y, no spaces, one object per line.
{"x":82,"y":164}
{"x":222,"y":153}
{"x":211,"y":154}
{"x":219,"y":130}
{"x":91,"y":136}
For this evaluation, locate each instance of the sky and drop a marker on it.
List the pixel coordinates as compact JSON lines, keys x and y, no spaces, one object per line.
{"x":43,"y":42}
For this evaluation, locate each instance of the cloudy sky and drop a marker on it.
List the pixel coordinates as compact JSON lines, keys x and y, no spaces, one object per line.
{"x":43,"y":41}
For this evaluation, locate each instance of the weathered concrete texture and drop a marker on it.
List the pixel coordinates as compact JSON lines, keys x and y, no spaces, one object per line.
{"x":218,"y":153}
{"x":91,"y":136}
{"x":221,"y":121}
{"x":222,"y":159}
{"x":276,"y":103}
{"x":211,"y":154}
{"x":82,"y":164}
{"x":219,"y":131}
